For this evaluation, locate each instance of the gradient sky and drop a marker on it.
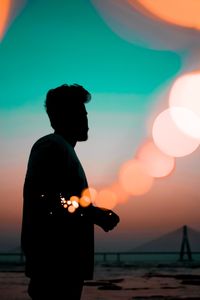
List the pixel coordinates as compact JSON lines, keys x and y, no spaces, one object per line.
{"x":54,"y":42}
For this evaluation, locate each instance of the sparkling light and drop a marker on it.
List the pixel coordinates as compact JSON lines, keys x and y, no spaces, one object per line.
{"x":84,"y":201}
{"x":75,"y":204}
{"x":169,"y":138}
{"x":157,"y":163}
{"x":134,"y":178}
{"x":106,"y":199}
{"x":90,"y":193}
{"x":63,"y":201}
{"x":180,"y":12}
{"x":71,"y":209}
{"x":185,"y":93}
{"x":74,"y":198}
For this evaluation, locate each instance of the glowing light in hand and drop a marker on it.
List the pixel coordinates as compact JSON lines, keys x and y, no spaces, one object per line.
{"x":84,"y":201}
{"x":71,"y":205}
{"x":71,"y":209}
{"x":90,"y":193}
{"x":75,"y":201}
{"x":63,"y":201}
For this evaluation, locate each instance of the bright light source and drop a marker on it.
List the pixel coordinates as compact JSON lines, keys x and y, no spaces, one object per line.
{"x":185,"y":94}
{"x":169,"y":138}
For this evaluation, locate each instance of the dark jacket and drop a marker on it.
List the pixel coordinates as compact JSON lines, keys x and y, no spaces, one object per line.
{"x":53,"y":240}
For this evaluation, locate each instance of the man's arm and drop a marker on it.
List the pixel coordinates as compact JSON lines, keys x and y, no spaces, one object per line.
{"x":60,"y":206}
{"x":105,"y":218}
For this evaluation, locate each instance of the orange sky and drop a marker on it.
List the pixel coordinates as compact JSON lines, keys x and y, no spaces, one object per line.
{"x":171,"y":203}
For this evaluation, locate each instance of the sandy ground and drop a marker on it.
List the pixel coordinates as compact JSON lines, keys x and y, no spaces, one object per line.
{"x":120,"y":283}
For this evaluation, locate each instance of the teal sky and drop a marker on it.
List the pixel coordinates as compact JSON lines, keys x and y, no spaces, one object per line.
{"x":53,"y":42}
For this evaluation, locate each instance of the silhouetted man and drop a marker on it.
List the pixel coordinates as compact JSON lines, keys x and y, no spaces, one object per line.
{"x":58,"y":237}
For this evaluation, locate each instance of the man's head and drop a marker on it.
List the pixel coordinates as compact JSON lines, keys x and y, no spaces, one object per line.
{"x":65,"y":106}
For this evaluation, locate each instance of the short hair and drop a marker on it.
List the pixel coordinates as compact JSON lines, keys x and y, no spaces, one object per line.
{"x":65,"y":100}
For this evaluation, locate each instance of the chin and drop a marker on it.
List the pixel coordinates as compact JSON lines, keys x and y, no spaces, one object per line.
{"x":83,"y":138}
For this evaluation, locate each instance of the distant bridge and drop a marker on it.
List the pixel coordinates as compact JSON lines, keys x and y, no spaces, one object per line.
{"x":183,"y":242}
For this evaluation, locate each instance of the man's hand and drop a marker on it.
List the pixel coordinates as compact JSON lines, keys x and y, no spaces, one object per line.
{"x":105,"y":218}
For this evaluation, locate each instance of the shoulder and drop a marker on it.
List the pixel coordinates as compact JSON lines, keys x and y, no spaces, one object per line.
{"x":52,"y":143}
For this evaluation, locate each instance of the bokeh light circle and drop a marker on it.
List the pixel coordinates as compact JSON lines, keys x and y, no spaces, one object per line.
{"x":187,"y":121}
{"x":90,"y":193}
{"x":84,"y":201}
{"x":122,"y":195}
{"x":157,"y":163}
{"x":71,"y":209}
{"x":180,"y":12}
{"x":185,"y":93}
{"x":106,"y":199}
{"x":134,"y":178}
{"x":74,"y":198}
{"x":169,"y":138}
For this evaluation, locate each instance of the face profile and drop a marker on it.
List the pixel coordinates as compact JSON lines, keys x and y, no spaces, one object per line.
{"x":65,"y":106}
{"x":79,"y":125}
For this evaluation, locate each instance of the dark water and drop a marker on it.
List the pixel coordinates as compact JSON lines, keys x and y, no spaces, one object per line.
{"x":142,"y":259}
{"x":116,"y":258}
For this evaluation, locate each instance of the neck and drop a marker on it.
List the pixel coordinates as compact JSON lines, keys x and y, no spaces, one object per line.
{"x":68,"y":138}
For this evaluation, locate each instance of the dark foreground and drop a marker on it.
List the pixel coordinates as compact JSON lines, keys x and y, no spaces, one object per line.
{"x":120,"y":282}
